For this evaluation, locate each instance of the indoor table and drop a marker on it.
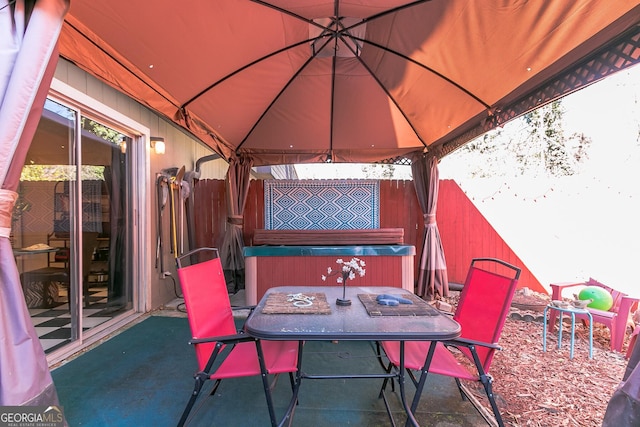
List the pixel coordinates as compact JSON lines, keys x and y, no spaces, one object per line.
{"x":277,"y":318}
{"x":26,"y":278}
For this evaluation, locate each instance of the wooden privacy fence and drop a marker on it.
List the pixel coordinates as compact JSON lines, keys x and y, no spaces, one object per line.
{"x":465,"y":233}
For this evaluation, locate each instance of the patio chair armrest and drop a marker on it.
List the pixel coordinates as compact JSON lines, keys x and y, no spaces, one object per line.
{"x":465,"y":342}
{"x":630,"y":301}
{"x":627,"y":306}
{"x":246,"y":307}
{"x":557,"y":288}
{"x":226,"y":339}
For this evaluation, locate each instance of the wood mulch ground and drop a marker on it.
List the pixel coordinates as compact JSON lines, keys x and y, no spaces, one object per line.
{"x":536,"y":388}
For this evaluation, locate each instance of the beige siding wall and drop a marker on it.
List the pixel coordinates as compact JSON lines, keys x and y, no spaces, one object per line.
{"x":182,"y":149}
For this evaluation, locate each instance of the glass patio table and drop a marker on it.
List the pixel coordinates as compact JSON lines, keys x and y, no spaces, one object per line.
{"x":277,"y":318}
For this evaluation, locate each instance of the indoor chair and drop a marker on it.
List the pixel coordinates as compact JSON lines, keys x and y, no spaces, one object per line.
{"x":222,"y":351}
{"x":616,"y":318}
{"x":481,"y":312}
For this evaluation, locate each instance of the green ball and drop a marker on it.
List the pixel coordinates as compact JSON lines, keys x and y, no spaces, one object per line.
{"x":602,"y":300}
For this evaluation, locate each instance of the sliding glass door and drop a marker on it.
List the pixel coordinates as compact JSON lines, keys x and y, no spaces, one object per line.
{"x":72,"y":230}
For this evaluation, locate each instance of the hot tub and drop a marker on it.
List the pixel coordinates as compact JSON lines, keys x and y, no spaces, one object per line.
{"x":269,"y":266}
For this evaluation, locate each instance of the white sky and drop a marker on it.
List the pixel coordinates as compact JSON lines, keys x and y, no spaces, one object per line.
{"x":573,"y":228}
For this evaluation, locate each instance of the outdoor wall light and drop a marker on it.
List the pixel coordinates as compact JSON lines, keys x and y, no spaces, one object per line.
{"x":157,"y":143}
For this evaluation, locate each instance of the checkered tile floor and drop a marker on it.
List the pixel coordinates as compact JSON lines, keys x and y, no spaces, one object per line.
{"x":54,"y":324}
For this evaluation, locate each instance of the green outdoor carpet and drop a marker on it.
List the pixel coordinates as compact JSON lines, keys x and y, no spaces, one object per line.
{"x":144,"y":377}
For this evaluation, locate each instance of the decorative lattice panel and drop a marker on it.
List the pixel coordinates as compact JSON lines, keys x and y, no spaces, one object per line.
{"x":321,"y":205}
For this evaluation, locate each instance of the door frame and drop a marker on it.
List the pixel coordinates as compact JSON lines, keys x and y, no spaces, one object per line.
{"x":140,"y":197}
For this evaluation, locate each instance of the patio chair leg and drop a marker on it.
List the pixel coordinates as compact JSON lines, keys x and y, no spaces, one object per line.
{"x":267,"y":395}
{"x":459,"y":384}
{"x":265,"y":383}
{"x":200,"y":378}
{"x":292,"y":381}
{"x":423,"y":377}
{"x":486,"y":382}
{"x":378,"y":352}
{"x":215,"y":387}
{"x":388,"y":408}
{"x":387,"y":369}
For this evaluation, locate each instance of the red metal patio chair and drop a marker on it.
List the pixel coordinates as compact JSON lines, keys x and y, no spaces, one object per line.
{"x":632,"y":341}
{"x":214,"y":333}
{"x":615,"y":318}
{"x":482,"y":311}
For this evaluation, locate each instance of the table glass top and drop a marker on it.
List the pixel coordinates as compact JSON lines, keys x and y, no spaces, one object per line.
{"x":351,"y":322}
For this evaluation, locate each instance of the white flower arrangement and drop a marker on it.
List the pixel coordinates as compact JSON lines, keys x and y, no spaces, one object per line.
{"x":346,"y":271}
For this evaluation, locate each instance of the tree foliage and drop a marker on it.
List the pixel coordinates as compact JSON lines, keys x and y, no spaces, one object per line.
{"x":535,"y":144}
{"x":68,"y":172}
{"x":379,"y":171}
{"x":60,"y":173}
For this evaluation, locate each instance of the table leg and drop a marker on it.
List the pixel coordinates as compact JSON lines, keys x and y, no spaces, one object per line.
{"x":572,"y":331}
{"x":573,"y":335}
{"x":590,"y":335}
{"x":403,"y":397}
{"x":560,"y":331}
{"x":544,"y":329}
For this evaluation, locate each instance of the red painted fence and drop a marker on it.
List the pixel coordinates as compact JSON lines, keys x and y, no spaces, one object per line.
{"x":465,"y":233}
